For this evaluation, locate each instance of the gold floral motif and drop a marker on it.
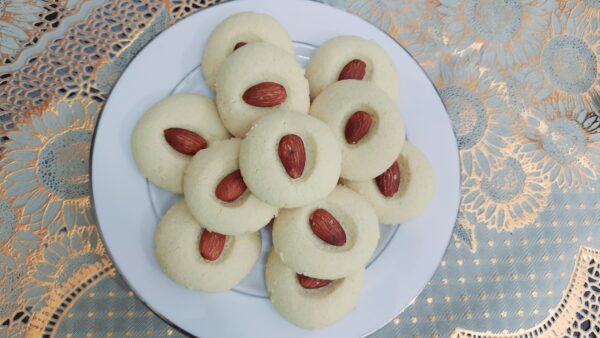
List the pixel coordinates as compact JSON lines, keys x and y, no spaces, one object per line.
{"x":49,"y":276}
{"x":574,"y":315}
{"x":502,"y":33}
{"x":44,"y":321}
{"x":562,"y":140}
{"x":45,"y":168}
{"x":477,"y":107}
{"x":569,"y":62}
{"x":510,"y":196}
{"x":394,"y":16}
{"x":60,"y":264}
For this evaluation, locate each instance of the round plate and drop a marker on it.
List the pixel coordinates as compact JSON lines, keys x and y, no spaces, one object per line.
{"x":128,"y":207}
{"x":161,"y":200}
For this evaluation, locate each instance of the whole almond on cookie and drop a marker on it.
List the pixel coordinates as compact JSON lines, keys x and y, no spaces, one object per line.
{"x":353,"y":70}
{"x":327,"y":227}
{"x":211,"y":245}
{"x":389,"y":181}
{"x":239,"y":45}
{"x":265,"y":94}
{"x":292,"y":155}
{"x":358,"y":126}
{"x":231,"y":187}
{"x":312,"y":283}
{"x":184,"y":141}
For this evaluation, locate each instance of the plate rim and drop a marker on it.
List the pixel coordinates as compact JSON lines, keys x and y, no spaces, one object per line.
{"x":221,"y":4}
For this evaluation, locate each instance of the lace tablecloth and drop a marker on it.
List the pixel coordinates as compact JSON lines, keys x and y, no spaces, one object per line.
{"x":518,"y":78}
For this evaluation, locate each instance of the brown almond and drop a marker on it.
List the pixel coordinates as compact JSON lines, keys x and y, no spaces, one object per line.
{"x":358,"y":126}
{"x":231,"y":187}
{"x":327,"y":227}
{"x":265,"y":94}
{"x":353,"y":70}
{"x":389,"y":181}
{"x":184,"y":141}
{"x":292,"y":155}
{"x":239,"y":44}
{"x":312,"y":283}
{"x":211,"y":244}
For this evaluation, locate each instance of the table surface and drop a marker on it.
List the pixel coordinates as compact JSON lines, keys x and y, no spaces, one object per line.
{"x":518,"y":79}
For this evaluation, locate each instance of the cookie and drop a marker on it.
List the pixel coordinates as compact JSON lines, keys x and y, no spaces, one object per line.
{"x":187,"y":260}
{"x":408,"y":186}
{"x":258,"y":79}
{"x":366,"y":123}
{"x":352,"y":57}
{"x":217,"y":195}
{"x":175,"y":121}
{"x":330,"y":238}
{"x":289,"y":160}
{"x":235,"y":31}
{"x":313,"y":307}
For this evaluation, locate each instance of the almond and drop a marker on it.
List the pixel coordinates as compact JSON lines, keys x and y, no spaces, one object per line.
{"x":327,"y":227}
{"x":265,"y":94}
{"x":292,"y":155}
{"x":389,"y":181}
{"x":231,"y":187}
{"x":184,"y":141}
{"x":358,"y":126}
{"x":211,"y":245}
{"x":239,"y":44}
{"x":312,"y":283}
{"x":353,"y":70}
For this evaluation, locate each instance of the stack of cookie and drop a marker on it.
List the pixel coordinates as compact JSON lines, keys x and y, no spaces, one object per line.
{"x":327,"y":173}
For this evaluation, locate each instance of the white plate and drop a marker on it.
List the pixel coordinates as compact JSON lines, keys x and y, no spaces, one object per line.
{"x":128,"y":208}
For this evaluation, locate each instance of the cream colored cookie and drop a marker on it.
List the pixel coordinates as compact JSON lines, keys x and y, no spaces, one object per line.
{"x":155,"y":158}
{"x":415,"y":191}
{"x":264,"y":171}
{"x":248,"y":67}
{"x":341,"y":104}
{"x":245,"y":27}
{"x":205,"y":173}
{"x":301,"y":249}
{"x":329,"y":60}
{"x":177,"y":242}
{"x":310,"y":308}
